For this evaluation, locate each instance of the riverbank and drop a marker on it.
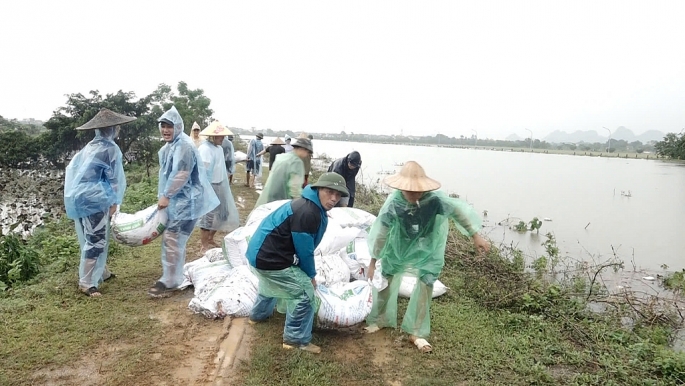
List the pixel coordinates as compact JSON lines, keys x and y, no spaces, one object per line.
{"x":499,"y":324}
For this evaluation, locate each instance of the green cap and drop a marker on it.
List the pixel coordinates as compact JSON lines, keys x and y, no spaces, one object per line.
{"x":332,"y":181}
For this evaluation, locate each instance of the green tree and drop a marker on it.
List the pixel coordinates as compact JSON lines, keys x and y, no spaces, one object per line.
{"x":17,"y":148}
{"x":673,"y":146}
{"x":193,"y":105}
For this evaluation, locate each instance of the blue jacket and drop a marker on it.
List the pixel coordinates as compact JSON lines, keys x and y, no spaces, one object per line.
{"x":289,"y":235}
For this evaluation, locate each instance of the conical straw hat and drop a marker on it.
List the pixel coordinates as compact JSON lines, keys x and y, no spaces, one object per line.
{"x":106,"y":118}
{"x":412,"y":178}
{"x":277,"y":141}
{"x":216,"y":129}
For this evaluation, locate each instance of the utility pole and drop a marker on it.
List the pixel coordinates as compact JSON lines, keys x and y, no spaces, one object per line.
{"x":475,"y":140}
{"x":609,"y":143}
{"x":531,"y":139}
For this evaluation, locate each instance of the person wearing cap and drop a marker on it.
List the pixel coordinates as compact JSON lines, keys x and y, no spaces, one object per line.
{"x":185,"y":192}
{"x":254,"y":162}
{"x":195,"y":135}
{"x":229,"y":156}
{"x":288,"y":147}
{"x":281,"y":251}
{"x":225,"y":216}
{"x":273,"y":149}
{"x":409,"y":237}
{"x":94,"y":184}
{"x":348,"y":167}
{"x":286,"y":177}
{"x":307,"y":161}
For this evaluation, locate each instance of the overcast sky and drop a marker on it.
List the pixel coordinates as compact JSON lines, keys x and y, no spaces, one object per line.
{"x":417,"y":67}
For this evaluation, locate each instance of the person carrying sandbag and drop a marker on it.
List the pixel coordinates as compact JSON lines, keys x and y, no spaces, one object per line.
{"x":409,"y":236}
{"x":282,"y":253}
{"x":185,"y":192}
{"x":94,"y":184}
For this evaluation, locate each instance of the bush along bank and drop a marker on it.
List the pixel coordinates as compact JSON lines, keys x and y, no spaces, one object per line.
{"x":593,"y":336}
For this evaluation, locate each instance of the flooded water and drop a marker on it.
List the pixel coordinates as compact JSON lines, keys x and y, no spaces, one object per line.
{"x":582,"y":196}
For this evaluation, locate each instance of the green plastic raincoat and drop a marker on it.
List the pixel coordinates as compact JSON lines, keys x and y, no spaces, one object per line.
{"x":285,"y":179}
{"x":411,"y":238}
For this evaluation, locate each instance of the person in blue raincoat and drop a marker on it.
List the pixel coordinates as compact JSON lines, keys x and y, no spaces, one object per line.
{"x":185,"y":192}
{"x":229,"y":156}
{"x":254,"y":162}
{"x":94,"y":185}
{"x":282,"y":254}
{"x":225,"y":216}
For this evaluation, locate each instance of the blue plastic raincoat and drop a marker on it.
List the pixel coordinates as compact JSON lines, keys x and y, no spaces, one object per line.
{"x":254,"y":163}
{"x":183,"y":180}
{"x":229,"y":155}
{"x":94,"y":181}
{"x":180,"y":177}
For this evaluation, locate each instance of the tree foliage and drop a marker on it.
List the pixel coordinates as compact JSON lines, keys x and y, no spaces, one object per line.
{"x":138,"y":140}
{"x":673,"y":146}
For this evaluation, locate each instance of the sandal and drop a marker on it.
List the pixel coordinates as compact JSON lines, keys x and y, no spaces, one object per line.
{"x":111,"y":276}
{"x":159,"y":290}
{"x":371,"y":329}
{"x":91,"y":292}
{"x":423,"y":345}
{"x":312,"y":348}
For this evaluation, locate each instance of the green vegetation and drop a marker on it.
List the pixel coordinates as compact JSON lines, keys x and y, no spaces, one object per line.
{"x":673,"y":146}
{"x":138,"y":140}
{"x":498,"y":325}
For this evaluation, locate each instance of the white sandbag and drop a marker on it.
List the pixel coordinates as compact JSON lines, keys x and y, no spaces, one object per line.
{"x":352,"y":217}
{"x":331,"y":269}
{"x":139,"y":228}
{"x":234,"y":245}
{"x":358,"y":250}
{"x":188,"y":267}
{"x":234,"y":296}
{"x":357,"y":271}
{"x":214,"y":254}
{"x":259,"y":213}
{"x":203,"y":273}
{"x":408,"y":283}
{"x":343,"y":304}
{"x":239,"y":156}
{"x":336,"y":238}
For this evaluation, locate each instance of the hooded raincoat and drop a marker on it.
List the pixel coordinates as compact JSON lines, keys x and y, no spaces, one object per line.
{"x":183,"y":180}
{"x":225,"y":216}
{"x":94,"y":181}
{"x":254,"y":162}
{"x":285,"y":179}
{"x":411,"y":238}
{"x":229,"y":155}
{"x":282,"y":254}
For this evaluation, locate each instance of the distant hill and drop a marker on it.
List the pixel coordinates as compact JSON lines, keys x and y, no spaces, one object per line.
{"x":513,"y":137}
{"x":591,"y":136}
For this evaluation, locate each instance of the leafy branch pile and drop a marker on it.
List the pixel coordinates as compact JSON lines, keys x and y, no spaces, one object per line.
{"x":615,"y":338}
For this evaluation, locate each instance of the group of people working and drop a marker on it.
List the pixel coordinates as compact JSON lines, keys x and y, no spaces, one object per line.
{"x":408,"y":237}
{"x":193,"y":188}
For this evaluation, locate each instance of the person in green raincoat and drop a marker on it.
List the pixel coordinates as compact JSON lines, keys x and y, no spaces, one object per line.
{"x":286,"y":178}
{"x":409,"y":237}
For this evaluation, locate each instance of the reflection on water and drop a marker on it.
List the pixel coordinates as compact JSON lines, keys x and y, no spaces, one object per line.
{"x":590,"y":217}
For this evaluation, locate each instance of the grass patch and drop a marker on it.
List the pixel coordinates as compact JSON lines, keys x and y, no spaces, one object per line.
{"x":501,"y":323}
